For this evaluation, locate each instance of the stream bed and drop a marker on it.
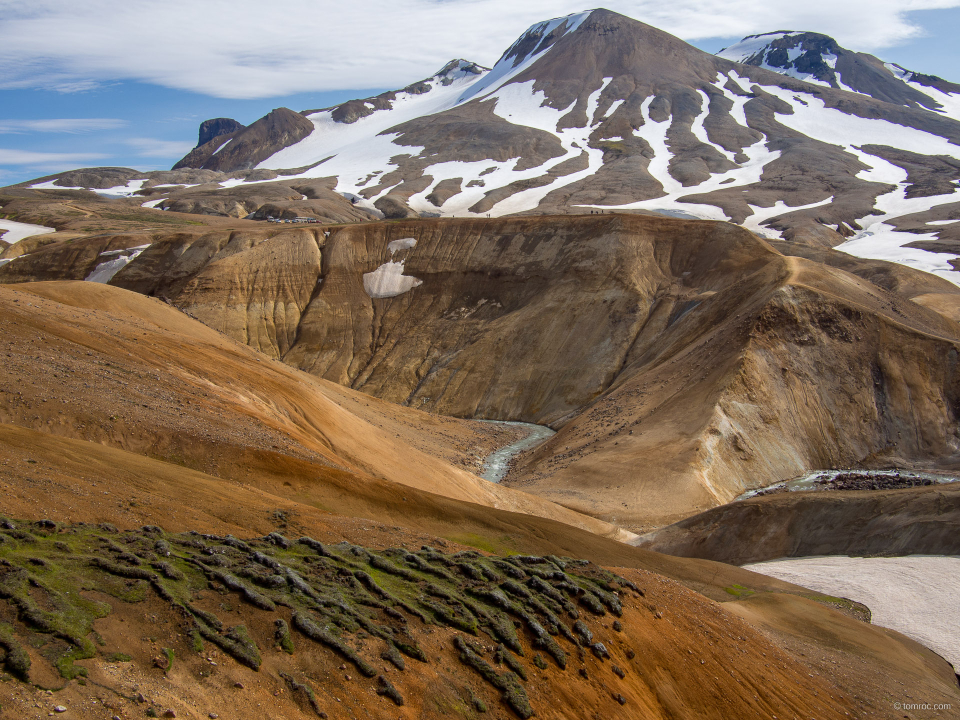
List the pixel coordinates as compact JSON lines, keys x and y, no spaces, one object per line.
{"x":497,"y":463}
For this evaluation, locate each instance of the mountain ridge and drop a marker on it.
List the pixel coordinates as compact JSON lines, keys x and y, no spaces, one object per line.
{"x":597,"y":112}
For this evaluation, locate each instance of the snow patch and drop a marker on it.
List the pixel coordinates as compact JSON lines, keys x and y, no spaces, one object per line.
{"x":950,"y":102}
{"x":751,"y":45}
{"x":17,"y":231}
{"x":655,"y":134}
{"x":700,"y":132}
{"x":389,"y":281}
{"x":916,"y":595}
{"x":402,"y":244}
{"x":761,"y":215}
{"x":105,"y":271}
{"x":152,"y":203}
{"x":814,"y":119}
{"x":754,"y":45}
{"x":119,"y":191}
{"x":505,"y":70}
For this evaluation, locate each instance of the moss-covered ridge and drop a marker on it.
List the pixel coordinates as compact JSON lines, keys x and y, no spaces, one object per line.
{"x":352,"y":600}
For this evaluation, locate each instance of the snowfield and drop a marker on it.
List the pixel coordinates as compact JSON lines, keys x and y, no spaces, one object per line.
{"x":918,"y":595}
{"x":13,"y":232}
{"x":361,"y":153}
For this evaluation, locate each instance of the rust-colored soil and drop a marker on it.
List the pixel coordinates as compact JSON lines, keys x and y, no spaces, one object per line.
{"x":119,"y":409}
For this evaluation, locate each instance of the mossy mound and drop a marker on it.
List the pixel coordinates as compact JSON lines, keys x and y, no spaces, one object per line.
{"x":332,"y":593}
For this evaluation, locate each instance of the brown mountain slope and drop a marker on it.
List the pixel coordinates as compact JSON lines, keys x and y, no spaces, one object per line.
{"x":190,"y":395}
{"x":921,"y":521}
{"x":245,"y":147}
{"x":822,"y":370}
{"x":682,"y":361}
{"x":134,"y":352}
{"x":181,"y":666}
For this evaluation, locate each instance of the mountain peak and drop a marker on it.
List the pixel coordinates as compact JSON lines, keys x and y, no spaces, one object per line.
{"x":804,"y":55}
{"x":541,"y":36}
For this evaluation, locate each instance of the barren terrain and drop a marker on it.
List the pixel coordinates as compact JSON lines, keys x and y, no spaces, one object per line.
{"x":231,"y":441}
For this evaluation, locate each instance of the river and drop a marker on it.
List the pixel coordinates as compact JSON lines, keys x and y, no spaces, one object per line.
{"x":497,"y":463}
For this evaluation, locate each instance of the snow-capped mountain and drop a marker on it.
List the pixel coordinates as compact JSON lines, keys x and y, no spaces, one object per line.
{"x":787,"y":134}
{"x":818,"y":59}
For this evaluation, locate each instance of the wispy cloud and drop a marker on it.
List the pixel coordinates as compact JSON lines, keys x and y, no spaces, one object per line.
{"x":29,"y":157}
{"x":225,"y":48}
{"x":60,"y":125}
{"x":151,"y":147}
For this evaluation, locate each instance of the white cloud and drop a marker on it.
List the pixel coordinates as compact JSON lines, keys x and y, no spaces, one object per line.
{"x":245,"y":49}
{"x":60,"y":125}
{"x":29,"y":157}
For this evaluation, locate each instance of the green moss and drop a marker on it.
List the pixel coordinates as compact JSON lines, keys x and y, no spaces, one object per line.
{"x":196,"y":641}
{"x":477,"y":702}
{"x":17,"y":660}
{"x":118,"y":657}
{"x":739,"y":591}
{"x":169,"y":655}
{"x":282,"y":636}
{"x":509,"y":684}
{"x":346,"y":597}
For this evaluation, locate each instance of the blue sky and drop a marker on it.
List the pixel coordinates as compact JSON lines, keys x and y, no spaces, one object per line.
{"x":126,"y":83}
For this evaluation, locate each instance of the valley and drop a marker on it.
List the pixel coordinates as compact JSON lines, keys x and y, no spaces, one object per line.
{"x":617,"y":379}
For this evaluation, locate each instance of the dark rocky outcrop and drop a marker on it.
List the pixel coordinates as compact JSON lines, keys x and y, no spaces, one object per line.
{"x":209,"y":129}
{"x":393,"y":207}
{"x":245,"y":148}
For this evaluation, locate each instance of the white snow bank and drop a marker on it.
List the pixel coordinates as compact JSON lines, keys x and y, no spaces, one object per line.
{"x":917,"y":595}
{"x":762,"y":214}
{"x":389,"y":281}
{"x":655,"y":134}
{"x":104,"y":272}
{"x":119,"y":191}
{"x":950,"y":102}
{"x":884,"y":242}
{"x":812,"y":118}
{"x":152,"y":203}
{"x":402,"y":244}
{"x":17,"y":231}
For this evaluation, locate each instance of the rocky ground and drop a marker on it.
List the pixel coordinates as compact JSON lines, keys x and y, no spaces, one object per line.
{"x":861,"y":480}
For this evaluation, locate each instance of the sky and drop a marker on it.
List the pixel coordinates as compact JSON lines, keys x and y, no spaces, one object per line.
{"x":127,"y":82}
